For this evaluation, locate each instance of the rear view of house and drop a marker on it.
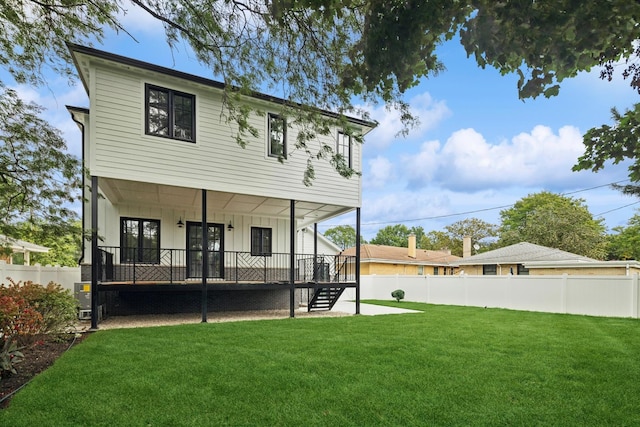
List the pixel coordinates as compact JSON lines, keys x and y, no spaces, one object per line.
{"x":167,"y":179}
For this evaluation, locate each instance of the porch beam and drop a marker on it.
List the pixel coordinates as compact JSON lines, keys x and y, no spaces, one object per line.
{"x":292,"y":257}
{"x":95,"y":254}
{"x":205,"y":255}
{"x":357,"y":260}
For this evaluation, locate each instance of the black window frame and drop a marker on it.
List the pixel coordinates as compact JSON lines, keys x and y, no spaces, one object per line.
{"x":140,"y":257}
{"x":258,"y":235}
{"x":340,"y":147}
{"x":270,"y":118}
{"x":490,"y":270}
{"x":171,"y":112}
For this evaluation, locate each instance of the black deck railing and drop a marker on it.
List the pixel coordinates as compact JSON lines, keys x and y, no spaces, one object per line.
{"x":133,"y":265}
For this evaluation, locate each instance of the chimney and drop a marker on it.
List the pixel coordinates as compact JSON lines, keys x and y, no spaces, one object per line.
{"x":412,"y":245}
{"x":466,"y":246}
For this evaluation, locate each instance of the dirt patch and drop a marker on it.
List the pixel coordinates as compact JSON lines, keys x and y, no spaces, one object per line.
{"x":38,"y":356}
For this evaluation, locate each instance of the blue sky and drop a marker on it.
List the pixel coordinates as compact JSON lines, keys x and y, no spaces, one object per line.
{"x":478,"y":147}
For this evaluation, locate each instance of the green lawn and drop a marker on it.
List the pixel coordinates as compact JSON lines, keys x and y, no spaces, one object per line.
{"x":444,"y":366}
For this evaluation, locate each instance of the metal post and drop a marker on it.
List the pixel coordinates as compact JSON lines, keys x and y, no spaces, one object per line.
{"x":357,"y":260}
{"x":292,"y":257}
{"x":205,"y":255}
{"x":315,"y":253}
{"x":94,"y":252}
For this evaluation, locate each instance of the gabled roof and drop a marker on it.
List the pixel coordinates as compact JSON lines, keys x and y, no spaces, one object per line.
{"x":394,"y":254}
{"x":78,"y":51}
{"x":521,"y":253}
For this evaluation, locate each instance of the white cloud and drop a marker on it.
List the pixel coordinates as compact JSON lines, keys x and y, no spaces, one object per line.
{"x":137,"y":19}
{"x":429,"y":111}
{"x":467,"y":162}
{"x":422,"y":166}
{"x":380,"y":173}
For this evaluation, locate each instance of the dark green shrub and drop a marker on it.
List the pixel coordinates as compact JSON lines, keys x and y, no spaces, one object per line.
{"x":398,"y":294}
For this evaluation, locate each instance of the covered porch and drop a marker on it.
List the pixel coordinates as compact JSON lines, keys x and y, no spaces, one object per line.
{"x":232,"y":265}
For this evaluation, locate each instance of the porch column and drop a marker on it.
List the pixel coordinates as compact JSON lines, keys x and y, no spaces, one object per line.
{"x":357,"y":260}
{"x":95,"y":254}
{"x":205,"y":255}
{"x":292,"y":258}
{"x":315,"y":252}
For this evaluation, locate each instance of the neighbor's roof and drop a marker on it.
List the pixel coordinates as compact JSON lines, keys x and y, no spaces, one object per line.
{"x":21,"y":246}
{"x":521,"y":253}
{"x":394,"y":254}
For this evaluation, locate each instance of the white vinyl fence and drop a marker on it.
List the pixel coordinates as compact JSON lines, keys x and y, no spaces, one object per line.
{"x":613,"y":296}
{"x":65,"y":276}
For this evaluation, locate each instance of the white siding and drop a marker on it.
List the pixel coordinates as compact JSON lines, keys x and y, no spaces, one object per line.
{"x":215,"y":162}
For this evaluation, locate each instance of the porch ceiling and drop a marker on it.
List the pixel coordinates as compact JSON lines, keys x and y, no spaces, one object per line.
{"x":155,"y":195}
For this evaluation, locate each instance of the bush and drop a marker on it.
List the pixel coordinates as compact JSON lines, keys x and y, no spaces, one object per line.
{"x":56,"y":305}
{"x":17,"y":321}
{"x":398,"y":294}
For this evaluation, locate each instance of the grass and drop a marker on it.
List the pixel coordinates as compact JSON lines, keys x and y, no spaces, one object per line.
{"x":445,"y":366}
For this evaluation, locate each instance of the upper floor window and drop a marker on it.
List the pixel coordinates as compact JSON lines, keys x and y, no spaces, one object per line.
{"x":170,"y":113}
{"x":277,"y":143}
{"x":260,"y":241}
{"x":140,"y":240}
{"x":344,"y":147}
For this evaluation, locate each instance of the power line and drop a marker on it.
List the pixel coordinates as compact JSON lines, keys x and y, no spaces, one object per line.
{"x":499,"y":207}
{"x":617,"y":209}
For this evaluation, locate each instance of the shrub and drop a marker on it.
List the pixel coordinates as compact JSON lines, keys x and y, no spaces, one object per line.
{"x":17,"y":321}
{"x":56,"y":305}
{"x":398,"y":294}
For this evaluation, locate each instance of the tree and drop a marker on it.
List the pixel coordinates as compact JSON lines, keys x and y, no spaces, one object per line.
{"x":615,"y":143}
{"x":452,"y":238}
{"x":625,"y":242}
{"x":342,"y":235}
{"x":397,"y":235}
{"x":345,"y":51}
{"x":38,"y":178}
{"x":437,"y":241}
{"x":554,"y":221}
{"x":64,"y":245}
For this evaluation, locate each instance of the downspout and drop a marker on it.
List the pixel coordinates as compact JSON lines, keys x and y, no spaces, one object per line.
{"x":82,"y":131}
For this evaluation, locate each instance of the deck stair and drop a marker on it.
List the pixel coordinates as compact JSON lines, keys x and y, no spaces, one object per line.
{"x":324,"y":298}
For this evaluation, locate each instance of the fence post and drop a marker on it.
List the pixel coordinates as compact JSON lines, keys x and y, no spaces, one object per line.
{"x":634,"y":296}
{"x":563,"y":294}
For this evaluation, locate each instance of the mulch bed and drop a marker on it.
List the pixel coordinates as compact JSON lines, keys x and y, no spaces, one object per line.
{"x":37,"y":357}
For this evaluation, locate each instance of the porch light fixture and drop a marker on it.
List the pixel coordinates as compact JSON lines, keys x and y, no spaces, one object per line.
{"x":180,"y":224}
{"x":230,"y":226}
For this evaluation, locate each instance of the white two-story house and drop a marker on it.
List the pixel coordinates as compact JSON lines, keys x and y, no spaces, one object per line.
{"x":163,"y":165}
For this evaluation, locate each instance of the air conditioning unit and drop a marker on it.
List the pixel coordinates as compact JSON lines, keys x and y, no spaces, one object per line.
{"x":82,"y":292}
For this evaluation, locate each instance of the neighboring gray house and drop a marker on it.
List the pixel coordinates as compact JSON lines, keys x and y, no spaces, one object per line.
{"x":164,"y":166}
{"x":515,"y":259}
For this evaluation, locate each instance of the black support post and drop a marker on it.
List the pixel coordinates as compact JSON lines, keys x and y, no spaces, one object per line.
{"x":205,"y":255}
{"x":315,"y":253}
{"x":95,"y":254}
{"x":292,"y":258}
{"x":357,"y":260}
